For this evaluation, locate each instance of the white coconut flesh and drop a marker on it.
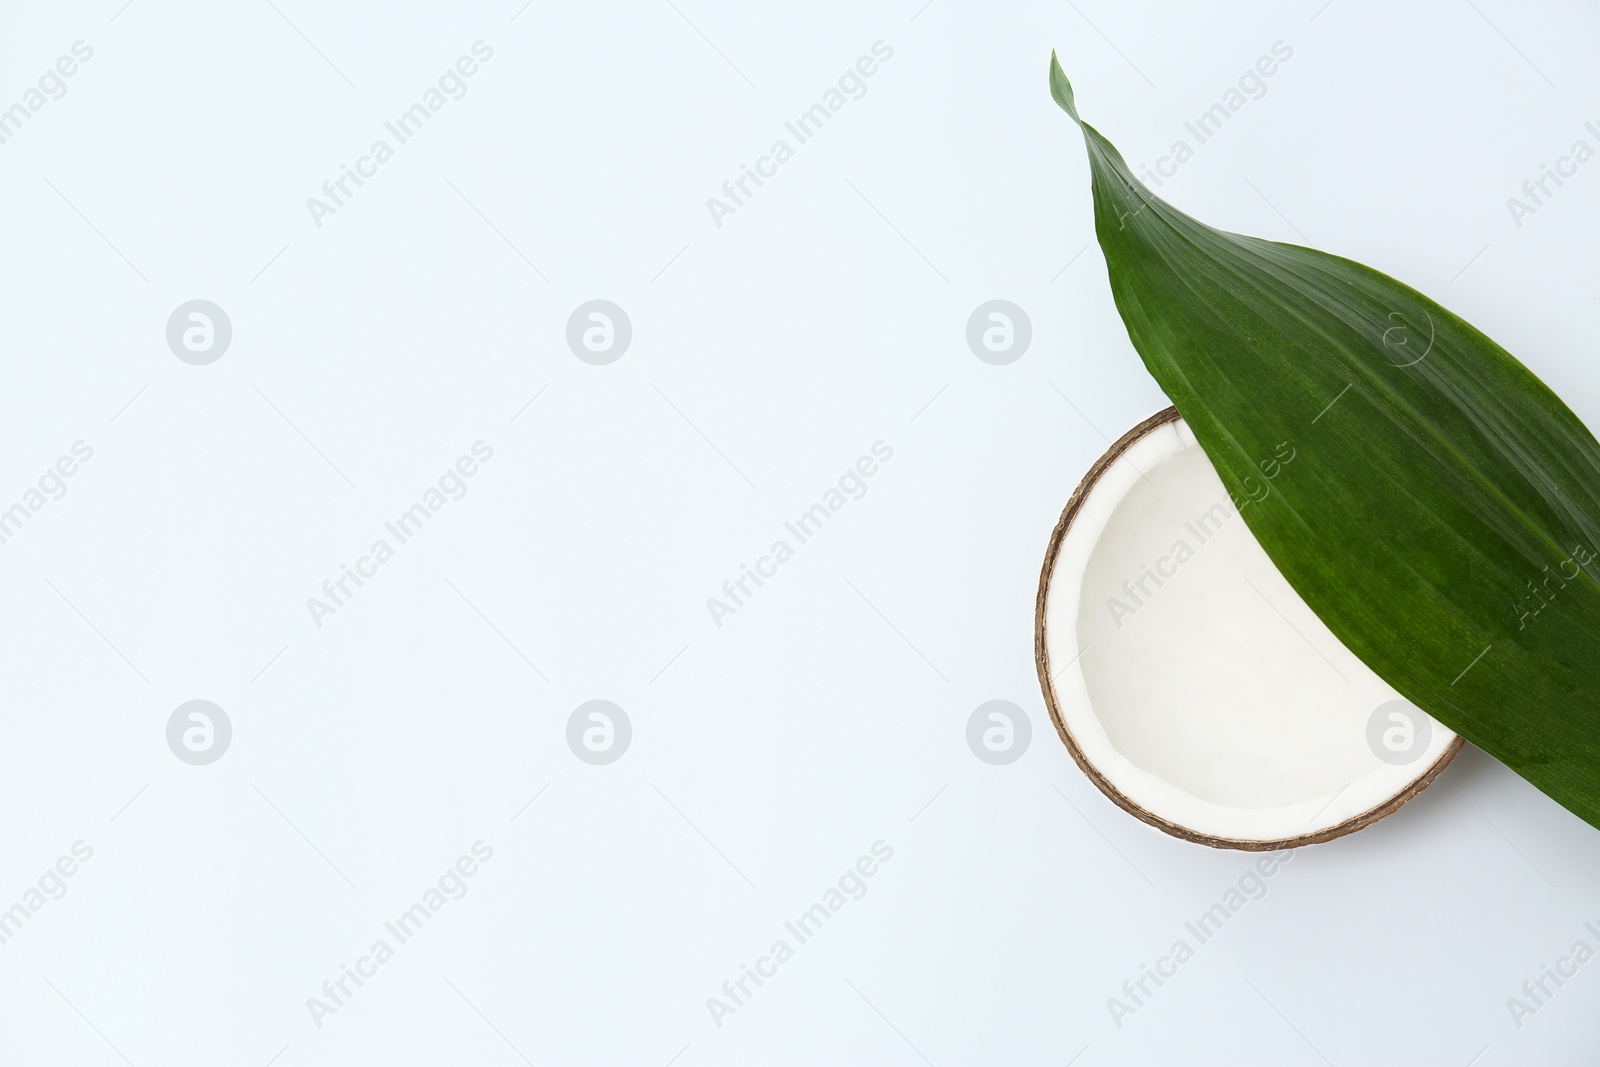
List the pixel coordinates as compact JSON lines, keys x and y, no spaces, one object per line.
{"x":1199,"y":689}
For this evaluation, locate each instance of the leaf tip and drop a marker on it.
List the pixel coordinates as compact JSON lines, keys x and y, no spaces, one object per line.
{"x":1061,"y":88}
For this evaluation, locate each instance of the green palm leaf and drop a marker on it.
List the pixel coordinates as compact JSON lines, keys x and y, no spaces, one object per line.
{"x":1443,"y":512}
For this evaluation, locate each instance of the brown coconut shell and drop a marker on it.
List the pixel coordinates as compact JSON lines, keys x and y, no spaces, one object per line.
{"x":1041,"y":657}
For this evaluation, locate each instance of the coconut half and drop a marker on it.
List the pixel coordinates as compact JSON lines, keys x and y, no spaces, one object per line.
{"x":1188,"y":679}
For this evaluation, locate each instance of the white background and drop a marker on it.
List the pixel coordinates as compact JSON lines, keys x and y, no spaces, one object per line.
{"x":768,"y":354}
